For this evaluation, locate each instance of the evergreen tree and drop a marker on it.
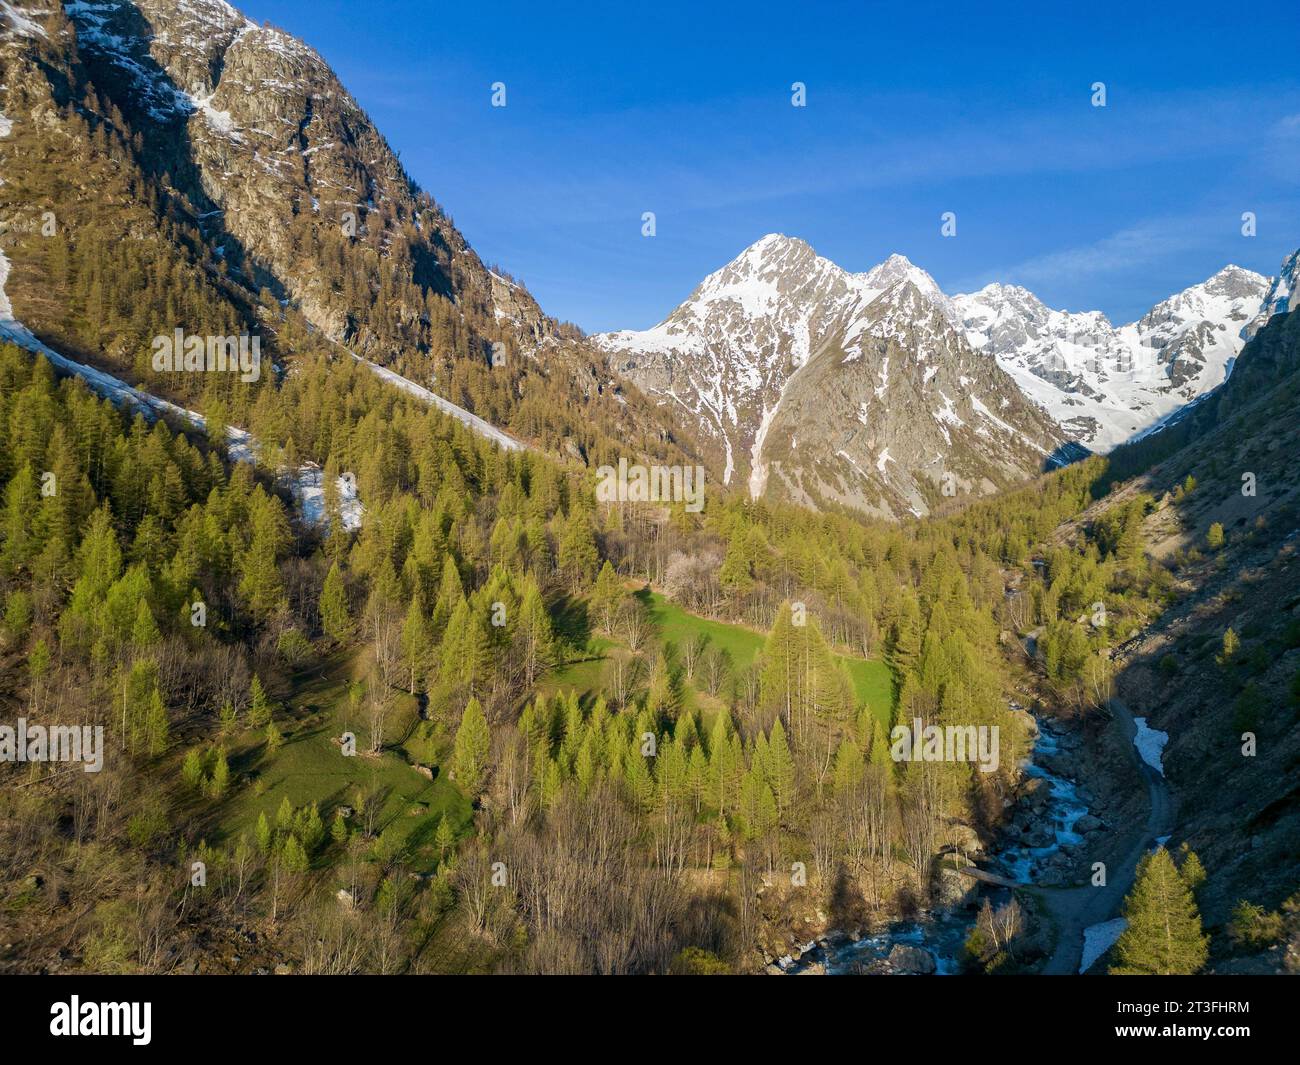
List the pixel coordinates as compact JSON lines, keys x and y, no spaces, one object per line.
{"x":260,"y":707}
{"x":445,"y":838}
{"x":1164,"y":936}
{"x":472,"y":746}
{"x":780,"y":768}
{"x":605,"y":597}
{"x":263,"y":834}
{"x":904,"y":644}
{"x":534,"y":634}
{"x":416,"y":649}
{"x":220,"y":773}
{"x":335,"y":617}
{"x":577,"y":554}
{"x":192,"y":768}
{"x":849,"y":767}
{"x":260,"y":583}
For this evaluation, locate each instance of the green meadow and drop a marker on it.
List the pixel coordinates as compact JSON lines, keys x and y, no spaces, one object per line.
{"x":309,"y":766}
{"x":872,"y":682}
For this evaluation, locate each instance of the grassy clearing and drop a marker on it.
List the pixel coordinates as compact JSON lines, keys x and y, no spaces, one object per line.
{"x":310,"y":767}
{"x":871,"y":679}
{"x":872,"y":682}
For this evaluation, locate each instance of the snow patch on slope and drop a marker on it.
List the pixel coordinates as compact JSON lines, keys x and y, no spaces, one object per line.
{"x":1150,"y":744}
{"x":16,"y":21}
{"x":308,"y":485}
{"x":472,"y":421}
{"x":757,"y":467}
{"x":241,"y":446}
{"x":1099,"y":938}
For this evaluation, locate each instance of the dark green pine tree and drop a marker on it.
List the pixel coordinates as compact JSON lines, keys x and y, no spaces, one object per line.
{"x":1164,"y":935}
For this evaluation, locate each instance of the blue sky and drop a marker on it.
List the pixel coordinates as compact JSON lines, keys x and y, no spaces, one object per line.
{"x":913,"y":109}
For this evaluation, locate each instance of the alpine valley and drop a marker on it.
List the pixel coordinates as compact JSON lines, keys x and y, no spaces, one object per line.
{"x":904,"y":613}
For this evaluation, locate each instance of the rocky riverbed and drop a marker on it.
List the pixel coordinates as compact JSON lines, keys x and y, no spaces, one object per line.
{"x":1044,"y":838}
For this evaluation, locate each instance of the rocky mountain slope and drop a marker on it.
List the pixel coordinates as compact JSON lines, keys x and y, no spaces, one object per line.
{"x":1233,"y":747}
{"x":730,"y":352}
{"x":897,"y":415}
{"x":1280,"y":296}
{"x":833,"y":388}
{"x":187,"y":139}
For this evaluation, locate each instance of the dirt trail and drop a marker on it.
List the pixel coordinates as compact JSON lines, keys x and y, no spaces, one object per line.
{"x":1074,"y":909}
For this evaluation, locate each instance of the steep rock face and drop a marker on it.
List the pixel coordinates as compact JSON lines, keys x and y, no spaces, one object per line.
{"x":899,"y":415}
{"x":1105,"y":384}
{"x":236,"y":146}
{"x":269,"y":145}
{"x":725,"y":355}
{"x":1280,"y":296}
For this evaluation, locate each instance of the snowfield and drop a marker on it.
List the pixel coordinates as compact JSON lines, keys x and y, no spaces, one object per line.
{"x":1106,"y":384}
{"x":1098,"y":939}
{"x":1150,"y":744}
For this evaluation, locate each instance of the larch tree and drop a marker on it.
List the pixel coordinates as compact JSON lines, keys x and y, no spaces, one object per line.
{"x":471,"y":749}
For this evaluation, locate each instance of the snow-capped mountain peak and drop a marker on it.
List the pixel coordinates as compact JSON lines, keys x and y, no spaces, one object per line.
{"x":898,"y":268}
{"x":729,"y":353}
{"x":779,"y":312}
{"x":1104,"y":383}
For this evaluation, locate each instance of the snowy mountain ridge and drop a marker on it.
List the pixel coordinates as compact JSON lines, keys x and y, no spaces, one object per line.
{"x":1105,"y":384}
{"x":750,"y":351}
{"x":729,"y":351}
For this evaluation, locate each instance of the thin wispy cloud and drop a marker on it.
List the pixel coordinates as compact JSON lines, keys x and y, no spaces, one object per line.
{"x":1133,"y":246}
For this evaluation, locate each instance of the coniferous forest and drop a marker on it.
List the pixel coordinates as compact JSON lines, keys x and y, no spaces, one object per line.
{"x":374,"y":658}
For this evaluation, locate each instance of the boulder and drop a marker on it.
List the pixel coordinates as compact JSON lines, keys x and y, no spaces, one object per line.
{"x":952,"y":890}
{"x":911,"y":961}
{"x":1036,"y":794}
{"x":965,"y":838}
{"x":1062,"y":763}
{"x":1087,"y":823}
